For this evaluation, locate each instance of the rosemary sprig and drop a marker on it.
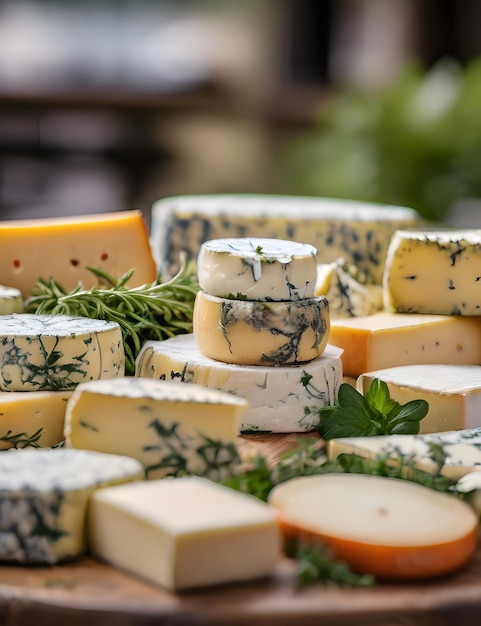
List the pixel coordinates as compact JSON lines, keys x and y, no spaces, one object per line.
{"x":154,"y":311}
{"x":22,"y":440}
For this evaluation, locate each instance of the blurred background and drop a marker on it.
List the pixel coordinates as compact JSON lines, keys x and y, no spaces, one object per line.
{"x":111,"y":104}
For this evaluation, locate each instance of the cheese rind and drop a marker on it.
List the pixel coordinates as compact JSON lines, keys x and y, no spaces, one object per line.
{"x":257,"y":269}
{"x":64,"y":247}
{"x":11,"y":300}
{"x":248,"y":332}
{"x":393,"y":339}
{"x":44,"y":496}
{"x":434,"y":272}
{"x":169,"y":428}
{"x":57,"y":352}
{"x":184,"y":532}
{"x":281,"y":399}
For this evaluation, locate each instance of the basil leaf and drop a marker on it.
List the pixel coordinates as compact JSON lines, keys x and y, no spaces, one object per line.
{"x":406,"y":421}
{"x":378,"y":397}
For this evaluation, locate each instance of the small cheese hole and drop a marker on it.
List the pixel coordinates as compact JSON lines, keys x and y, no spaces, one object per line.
{"x":16,"y":263}
{"x":104,"y":256}
{"x":74,"y":262}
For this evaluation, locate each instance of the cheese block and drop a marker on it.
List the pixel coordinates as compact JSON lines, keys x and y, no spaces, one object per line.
{"x":453,"y":392}
{"x":281,"y":399}
{"x":170,"y":428}
{"x":248,"y":332}
{"x":64,"y":247}
{"x":257,"y":269}
{"x":393,"y":339}
{"x":33,"y":418}
{"x":461,"y":450}
{"x":359,"y":232}
{"x":44,"y":495}
{"x":57,"y":352}
{"x":11,"y":300}
{"x":184,"y":532}
{"x":434,"y":272}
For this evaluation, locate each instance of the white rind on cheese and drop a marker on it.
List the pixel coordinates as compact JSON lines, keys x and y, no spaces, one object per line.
{"x":11,"y":300}
{"x":257,"y":269}
{"x":57,"y":352}
{"x":281,"y":399}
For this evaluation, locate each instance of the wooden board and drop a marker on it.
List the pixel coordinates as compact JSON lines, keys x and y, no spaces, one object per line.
{"x":88,"y":593}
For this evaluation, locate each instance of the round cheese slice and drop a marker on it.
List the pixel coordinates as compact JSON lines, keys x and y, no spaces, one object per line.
{"x":281,"y":399}
{"x":11,"y":300}
{"x":257,"y":269}
{"x":248,"y":332}
{"x":57,"y":352}
{"x":387,"y":527}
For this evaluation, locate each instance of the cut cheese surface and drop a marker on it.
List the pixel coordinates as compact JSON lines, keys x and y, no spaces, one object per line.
{"x":34,"y":416}
{"x":257,"y":269}
{"x":63,"y":247}
{"x":359,"y":232}
{"x":281,"y":399}
{"x":387,"y":527}
{"x":453,"y":392}
{"x":11,"y":300}
{"x":57,"y":352}
{"x":168,"y":427}
{"x":393,"y":339}
{"x":44,"y":496}
{"x":248,"y":332}
{"x":184,"y":532}
{"x":434,"y":272}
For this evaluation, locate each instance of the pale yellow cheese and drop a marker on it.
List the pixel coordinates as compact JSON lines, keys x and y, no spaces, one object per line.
{"x":11,"y":300}
{"x":184,"y":532}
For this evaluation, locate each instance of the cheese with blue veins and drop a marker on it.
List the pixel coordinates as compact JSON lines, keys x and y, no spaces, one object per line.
{"x":281,"y":399}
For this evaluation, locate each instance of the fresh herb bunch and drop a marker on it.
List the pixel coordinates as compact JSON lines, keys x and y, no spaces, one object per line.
{"x":375,"y":413}
{"x":157,"y":310}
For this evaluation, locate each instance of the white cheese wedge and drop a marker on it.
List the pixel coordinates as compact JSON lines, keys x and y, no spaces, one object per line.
{"x":57,"y":352}
{"x":36,"y":417}
{"x":248,"y":332}
{"x":44,"y":495}
{"x":170,"y":428}
{"x":281,"y":399}
{"x":257,"y":269}
{"x":359,"y":232}
{"x":393,"y":339}
{"x":434,"y":272}
{"x":461,"y":450}
{"x":184,"y":532}
{"x":64,"y":247}
{"x":11,"y":300}
{"x":453,"y":392}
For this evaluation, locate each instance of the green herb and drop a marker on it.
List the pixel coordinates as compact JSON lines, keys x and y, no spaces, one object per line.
{"x":154,"y":311}
{"x":375,"y":413}
{"x":23,"y":440}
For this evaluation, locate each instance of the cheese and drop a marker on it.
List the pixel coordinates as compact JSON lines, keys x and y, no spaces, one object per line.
{"x":36,"y":416}
{"x":11,"y":300}
{"x":281,"y":399}
{"x":257,"y":269}
{"x":453,"y":392}
{"x":392,"y":339}
{"x":170,"y":428}
{"x":56,"y":352}
{"x":64,"y":247}
{"x":359,"y":232}
{"x":461,"y":450}
{"x":44,"y":496}
{"x":184,"y":532}
{"x":248,"y":332}
{"x":434,"y":272}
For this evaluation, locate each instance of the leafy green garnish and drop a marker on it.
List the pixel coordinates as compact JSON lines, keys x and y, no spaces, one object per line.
{"x":375,"y":413}
{"x":22,"y":440}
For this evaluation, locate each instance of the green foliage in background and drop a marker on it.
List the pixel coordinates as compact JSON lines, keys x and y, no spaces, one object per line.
{"x":416,"y":142}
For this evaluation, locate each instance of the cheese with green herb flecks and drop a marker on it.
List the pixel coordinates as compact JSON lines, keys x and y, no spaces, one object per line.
{"x":170,"y":428}
{"x":358,"y":231}
{"x":281,"y":399}
{"x":257,"y":269}
{"x":57,"y":352}
{"x":44,"y":496}
{"x":11,"y":300}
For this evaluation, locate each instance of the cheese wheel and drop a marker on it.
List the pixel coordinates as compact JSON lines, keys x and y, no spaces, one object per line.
{"x":11,"y":300}
{"x":248,"y":332}
{"x":257,"y":269}
{"x":184,"y":532}
{"x":57,"y":352}
{"x":281,"y":399}
{"x":387,"y":527}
